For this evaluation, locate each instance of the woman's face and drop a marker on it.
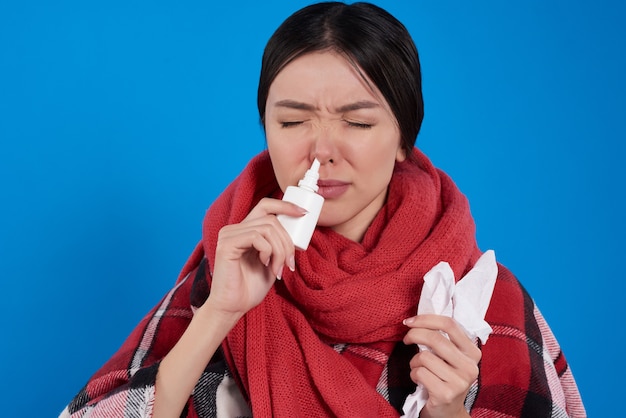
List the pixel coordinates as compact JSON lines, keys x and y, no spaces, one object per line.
{"x":320,"y":107}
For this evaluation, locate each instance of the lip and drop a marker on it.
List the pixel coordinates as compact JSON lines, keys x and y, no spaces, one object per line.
{"x":331,"y":189}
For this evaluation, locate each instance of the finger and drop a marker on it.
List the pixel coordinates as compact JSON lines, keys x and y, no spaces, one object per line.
{"x":459,"y":377}
{"x":449,"y":326}
{"x":434,"y":363}
{"x":445,"y":388}
{"x":440,"y":392}
{"x":265,"y":235}
{"x":234,"y":241}
{"x":270,"y":206}
{"x":433,"y":339}
{"x":446,"y":351}
{"x":283,"y":250}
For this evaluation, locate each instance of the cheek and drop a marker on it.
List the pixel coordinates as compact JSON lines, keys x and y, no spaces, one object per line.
{"x":280,"y":171}
{"x":375,"y":170}
{"x":372,"y":157}
{"x":285,"y":160}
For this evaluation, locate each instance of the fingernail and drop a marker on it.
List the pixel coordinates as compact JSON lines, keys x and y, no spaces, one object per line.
{"x":291,"y":263}
{"x":409,"y":321}
{"x":302,"y":210}
{"x":279,"y":275}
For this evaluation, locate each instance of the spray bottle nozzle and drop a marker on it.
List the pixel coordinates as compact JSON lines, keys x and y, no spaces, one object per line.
{"x":309,"y":181}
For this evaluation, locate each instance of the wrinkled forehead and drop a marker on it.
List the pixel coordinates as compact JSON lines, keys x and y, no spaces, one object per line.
{"x":329,"y":72}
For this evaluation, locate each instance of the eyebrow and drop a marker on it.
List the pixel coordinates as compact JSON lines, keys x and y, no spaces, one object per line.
{"x":293,"y":104}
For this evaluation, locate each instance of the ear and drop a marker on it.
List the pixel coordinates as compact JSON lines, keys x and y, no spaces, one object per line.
{"x":400,"y":154}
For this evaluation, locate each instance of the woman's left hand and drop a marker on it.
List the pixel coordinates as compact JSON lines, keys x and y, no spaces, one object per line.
{"x":448,"y":370}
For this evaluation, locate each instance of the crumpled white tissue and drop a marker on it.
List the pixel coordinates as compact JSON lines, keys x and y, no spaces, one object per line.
{"x":466,"y":302}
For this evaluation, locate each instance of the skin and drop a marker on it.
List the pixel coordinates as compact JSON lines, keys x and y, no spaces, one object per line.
{"x":317,"y":107}
{"x":448,"y":371}
{"x":320,"y":107}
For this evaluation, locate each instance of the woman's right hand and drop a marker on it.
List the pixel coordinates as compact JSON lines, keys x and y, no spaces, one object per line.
{"x":250,"y":256}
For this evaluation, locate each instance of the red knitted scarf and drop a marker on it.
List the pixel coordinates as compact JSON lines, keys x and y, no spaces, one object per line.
{"x":341,"y":292}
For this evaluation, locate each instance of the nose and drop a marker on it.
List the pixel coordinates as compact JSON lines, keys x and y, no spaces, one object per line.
{"x":324,"y":146}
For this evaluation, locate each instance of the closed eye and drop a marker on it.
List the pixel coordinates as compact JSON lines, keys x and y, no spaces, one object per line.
{"x":359,"y":125}
{"x":290,"y":124}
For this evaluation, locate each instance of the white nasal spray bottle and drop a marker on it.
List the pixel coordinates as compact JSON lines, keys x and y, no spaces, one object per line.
{"x":305,"y":195}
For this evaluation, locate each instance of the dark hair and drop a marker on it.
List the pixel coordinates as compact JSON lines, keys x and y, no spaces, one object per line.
{"x":368,"y":36}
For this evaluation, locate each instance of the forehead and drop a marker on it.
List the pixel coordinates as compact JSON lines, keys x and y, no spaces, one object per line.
{"x":328,"y":74}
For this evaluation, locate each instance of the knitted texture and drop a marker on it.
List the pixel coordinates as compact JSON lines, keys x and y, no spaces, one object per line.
{"x":341,"y":292}
{"x":326,"y":341}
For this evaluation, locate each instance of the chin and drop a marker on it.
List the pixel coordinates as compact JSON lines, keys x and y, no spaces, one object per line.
{"x":329,"y":221}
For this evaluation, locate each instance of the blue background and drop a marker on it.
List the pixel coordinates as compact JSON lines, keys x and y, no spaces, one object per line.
{"x":121,"y":121}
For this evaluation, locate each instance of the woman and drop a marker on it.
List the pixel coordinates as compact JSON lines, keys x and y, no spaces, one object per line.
{"x":336,"y":335}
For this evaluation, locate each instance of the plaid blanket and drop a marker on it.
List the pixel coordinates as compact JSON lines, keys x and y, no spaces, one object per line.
{"x":124,"y":386}
{"x":327,"y":339}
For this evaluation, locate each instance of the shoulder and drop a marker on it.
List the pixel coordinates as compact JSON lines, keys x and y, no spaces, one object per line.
{"x":510,"y":303}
